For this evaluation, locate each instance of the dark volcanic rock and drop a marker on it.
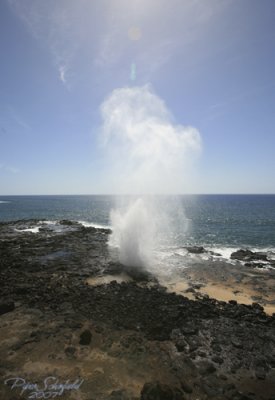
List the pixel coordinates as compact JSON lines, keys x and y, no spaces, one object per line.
{"x":196,"y":341}
{"x":206,"y":367}
{"x":119,"y":395}
{"x":68,"y":222}
{"x":181,"y":344}
{"x":201,"y":250}
{"x":255,"y":265}
{"x":196,"y":250}
{"x":160,"y":391}
{"x":70,"y":351}
{"x":85,"y":338}
{"x":260,"y":374}
{"x":248,"y":255}
{"x":23,"y":288}
{"x":6,"y":307}
{"x":217,"y":359}
{"x":189,"y":330}
{"x":138,"y":274}
{"x":186,"y":387}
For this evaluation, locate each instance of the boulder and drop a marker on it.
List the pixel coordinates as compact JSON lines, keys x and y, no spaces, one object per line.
{"x":196,"y":250}
{"x":248,"y":255}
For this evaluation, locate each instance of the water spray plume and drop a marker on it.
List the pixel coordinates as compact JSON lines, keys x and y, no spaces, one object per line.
{"x":149,"y":154}
{"x":130,"y":235}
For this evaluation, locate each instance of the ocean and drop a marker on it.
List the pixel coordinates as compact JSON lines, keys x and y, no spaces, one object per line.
{"x":221,"y":223}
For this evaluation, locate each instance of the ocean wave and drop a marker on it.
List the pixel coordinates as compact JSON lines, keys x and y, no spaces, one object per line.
{"x":225,"y":252}
{"x":222,"y":253}
{"x":87,"y":224}
{"x":4,"y":202}
{"x":58,"y":227}
{"x":53,"y":225}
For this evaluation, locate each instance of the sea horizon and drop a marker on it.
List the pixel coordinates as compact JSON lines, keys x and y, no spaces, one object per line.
{"x":212,"y":220}
{"x":139,"y":194}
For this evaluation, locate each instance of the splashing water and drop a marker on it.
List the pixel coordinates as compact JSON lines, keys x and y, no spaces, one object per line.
{"x":134,"y":232}
{"x":147,"y":153}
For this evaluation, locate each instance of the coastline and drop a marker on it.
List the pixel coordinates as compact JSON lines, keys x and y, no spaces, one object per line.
{"x":133,"y":339}
{"x":224,"y":282}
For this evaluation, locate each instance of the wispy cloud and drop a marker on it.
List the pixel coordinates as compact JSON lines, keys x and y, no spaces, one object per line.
{"x":63,"y":70}
{"x":85,"y":34}
{"x":54,"y":24}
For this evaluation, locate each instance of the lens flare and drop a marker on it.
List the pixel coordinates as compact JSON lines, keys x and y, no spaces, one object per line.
{"x":133,"y":73}
{"x":134,"y":33}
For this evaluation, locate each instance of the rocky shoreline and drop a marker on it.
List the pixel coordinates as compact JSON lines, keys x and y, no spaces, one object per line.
{"x":126,"y":340}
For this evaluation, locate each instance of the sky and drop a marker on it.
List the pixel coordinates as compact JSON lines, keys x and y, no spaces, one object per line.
{"x":209,"y":67}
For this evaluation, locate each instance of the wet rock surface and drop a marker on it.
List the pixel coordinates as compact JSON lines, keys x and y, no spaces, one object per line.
{"x":248,"y":255}
{"x":128,"y":340}
{"x":196,"y":250}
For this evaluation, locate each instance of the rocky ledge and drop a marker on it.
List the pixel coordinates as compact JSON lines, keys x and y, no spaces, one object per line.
{"x":127,"y":340}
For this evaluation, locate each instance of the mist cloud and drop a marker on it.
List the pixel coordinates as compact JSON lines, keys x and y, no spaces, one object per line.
{"x":147,"y":152}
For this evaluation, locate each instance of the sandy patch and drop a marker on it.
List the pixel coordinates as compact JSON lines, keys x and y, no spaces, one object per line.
{"x":106,"y":279}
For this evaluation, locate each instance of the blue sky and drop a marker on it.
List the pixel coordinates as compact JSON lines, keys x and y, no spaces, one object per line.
{"x":211,"y":62}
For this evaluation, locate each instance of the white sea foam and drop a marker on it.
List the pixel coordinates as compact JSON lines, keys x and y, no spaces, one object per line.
{"x":57,"y":226}
{"x":33,"y":230}
{"x":87,"y":224}
{"x":4,"y":202}
{"x":180,"y":251}
{"x":224,"y":251}
{"x":49,"y":222}
{"x":54,"y":225}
